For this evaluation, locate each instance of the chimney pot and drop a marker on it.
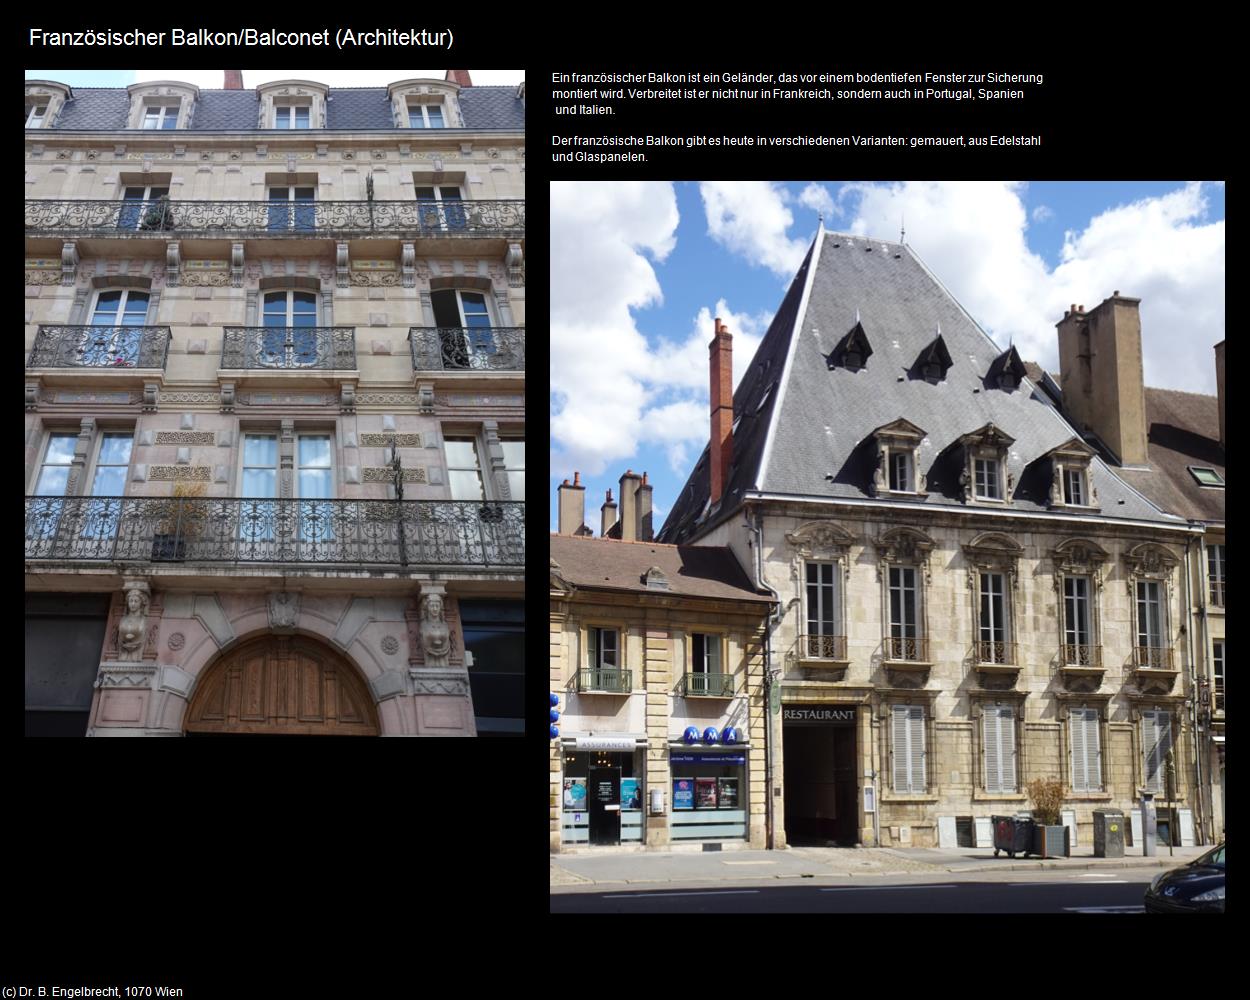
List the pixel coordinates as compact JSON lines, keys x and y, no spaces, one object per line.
{"x":234,"y":79}
{"x":577,"y":479}
{"x":572,"y":508}
{"x":1116,"y":292}
{"x":1073,"y":307}
{"x":460,"y":76}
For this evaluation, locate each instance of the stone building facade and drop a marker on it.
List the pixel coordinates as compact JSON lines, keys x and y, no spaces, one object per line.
{"x":274,"y":393}
{"x":657,"y":663}
{"x":970,"y":594}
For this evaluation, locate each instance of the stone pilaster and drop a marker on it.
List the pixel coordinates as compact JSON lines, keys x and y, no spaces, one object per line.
{"x":658,"y":668}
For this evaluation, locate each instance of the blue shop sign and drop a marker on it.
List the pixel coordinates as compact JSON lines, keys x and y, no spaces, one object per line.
{"x":707,"y":758}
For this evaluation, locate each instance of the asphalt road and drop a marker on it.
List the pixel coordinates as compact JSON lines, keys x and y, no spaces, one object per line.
{"x":1015,"y":892}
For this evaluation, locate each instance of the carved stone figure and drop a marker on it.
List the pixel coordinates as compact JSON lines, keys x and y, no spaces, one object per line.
{"x":435,"y":635}
{"x":283,"y":610}
{"x":132,"y":629}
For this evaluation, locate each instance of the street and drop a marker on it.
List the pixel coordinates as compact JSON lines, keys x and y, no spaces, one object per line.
{"x":1118,"y":891}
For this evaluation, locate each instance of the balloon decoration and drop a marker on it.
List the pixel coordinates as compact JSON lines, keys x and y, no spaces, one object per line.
{"x":691,"y":735}
{"x":710,"y":735}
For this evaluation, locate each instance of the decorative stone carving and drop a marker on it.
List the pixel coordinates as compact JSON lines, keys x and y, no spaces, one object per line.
{"x":227,"y":397}
{"x":457,"y":686}
{"x":904,"y":545}
{"x":390,"y":645}
{"x":341,"y":267}
{"x":151,"y":395}
{"x":176,"y":641}
{"x":185,"y":437}
{"x":385,"y":475}
{"x":181,"y":473}
{"x":32,"y":395}
{"x":132,"y":629}
{"x":435,"y":635}
{"x":347,"y":399}
{"x":172,"y":263}
{"x":384,"y":440}
{"x":408,"y":259}
{"x":283,"y":610}
{"x":515,"y":261}
{"x":69,"y":262}
{"x":236,"y":264}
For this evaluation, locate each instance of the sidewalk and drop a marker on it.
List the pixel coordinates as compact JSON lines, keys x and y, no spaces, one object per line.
{"x":614,"y":868}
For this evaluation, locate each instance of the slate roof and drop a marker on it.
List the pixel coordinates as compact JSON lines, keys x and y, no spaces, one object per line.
{"x":692,"y":571}
{"x":237,"y":110}
{"x":817,"y":426}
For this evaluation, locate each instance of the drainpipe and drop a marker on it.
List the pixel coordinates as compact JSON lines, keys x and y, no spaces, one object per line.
{"x":1192,"y":700}
{"x":1208,"y":804}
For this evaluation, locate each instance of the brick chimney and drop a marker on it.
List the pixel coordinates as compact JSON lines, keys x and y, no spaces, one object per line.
{"x":1100,"y":371}
{"x":645,"y":533}
{"x":572,"y":505}
{"x":720,"y":364}
{"x":629,"y":506}
{"x":460,"y":76}
{"x":234,"y":79}
{"x":1219,"y":383}
{"x":607,"y":515}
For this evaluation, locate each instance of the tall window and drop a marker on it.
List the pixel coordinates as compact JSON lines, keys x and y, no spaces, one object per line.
{"x":999,"y":737}
{"x":160,"y":116}
{"x":315,"y":481}
{"x":464,"y":471}
{"x":1149,"y":625}
{"x":292,"y":208}
{"x":441,"y":207}
{"x":1217,"y":674}
{"x":705,"y":657}
{"x":1076,"y":631}
{"x":117,"y":348}
{"x":260,"y":466}
{"x":514,"y":463}
{"x":288,"y":340}
{"x":291,"y":116}
{"x":822,"y":611}
{"x":904,"y":618}
{"x":900,"y":471}
{"x":494,"y":636}
{"x":1074,"y":487}
{"x":465,"y":329}
{"x":987,"y":479}
{"x":1156,"y":731}
{"x":1215,"y":573}
{"x":425,"y":116}
{"x":1086,"y":750}
{"x":109,"y":481}
{"x":138,"y":204}
{"x":602,"y":649}
{"x":53,"y":478}
{"x":907,"y":743}
{"x":35,"y":114}
{"x":993,"y":624}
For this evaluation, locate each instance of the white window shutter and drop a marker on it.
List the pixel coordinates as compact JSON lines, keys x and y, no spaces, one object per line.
{"x":993,"y":753}
{"x":1007,"y":735}
{"x":917,"y":749}
{"x":902,"y":757}
{"x":1153,"y":735}
{"x":1080,"y":776}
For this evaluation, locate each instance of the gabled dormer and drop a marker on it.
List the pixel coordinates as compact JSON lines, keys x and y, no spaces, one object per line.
{"x":161,"y":105}
{"x":898,"y":460}
{"x":1006,"y":371}
{"x":934,"y":361}
{"x":425,"y":104}
{"x":985,"y":478}
{"x":44,"y":101}
{"x":853,"y":350}
{"x":293,"y":105}
{"x":1072,"y":482}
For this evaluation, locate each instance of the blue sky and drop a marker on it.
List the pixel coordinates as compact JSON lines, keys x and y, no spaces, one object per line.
{"x":634,"y":294}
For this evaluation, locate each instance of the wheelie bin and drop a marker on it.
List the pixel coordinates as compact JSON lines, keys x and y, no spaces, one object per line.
{"x":1012,"y":834}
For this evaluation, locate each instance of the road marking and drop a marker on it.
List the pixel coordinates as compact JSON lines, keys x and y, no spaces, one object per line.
{"x":656,"y":895}
{"x":748,"y":862}
{"x":875,"y":888}
{"x":1105,"y":909}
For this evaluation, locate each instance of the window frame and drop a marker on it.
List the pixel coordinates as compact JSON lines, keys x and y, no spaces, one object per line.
{"x":1083,"y":713}
{"x":1000,"y":713}
{"x":910,"y":758}
{"x":1150,"y":754}
{"x":34,"y":106}
{"x":165,"y":104}
{"x":292,"y":107}
{"x":509,"y":470}
{"x":48,"y":434}
{"x":1075,"y":474}
{"x":1216,"y":559}
{"x":837,"y":616}
{"x":906,"y":480}
{"x":423,"y":106}
{"x":298,"y":214}
{"x":1217,"y":676}
{"x":479,"y":450}
{"x":471,"y":338}
{"x":991,"y":466}
{"x":289,"y":350}
{"x":597,"y":647}
{"x":1086,"y":602}
{"x":1005,"y":625}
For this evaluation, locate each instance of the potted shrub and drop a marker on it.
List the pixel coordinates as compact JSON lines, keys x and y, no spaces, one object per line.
{"x":169,"y":543}
{"x":1050,"y":837}
{"x":159,"y":215}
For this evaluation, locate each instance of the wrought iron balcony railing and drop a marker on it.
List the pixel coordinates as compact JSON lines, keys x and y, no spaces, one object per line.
{"x":607,"y":679}
{"x":232,"y":530}
{"x":902,"y":648}
{"x":1080,"y":655}
{"x":331,"y":348}
{"x":114,"y":347}
{"x":822,"y":647}
{"x":995,"y":651}
{"x":458,"y":348}
{"x":1153,"y":657}
{"x":699,"y":684}
{"x":82,"y":217}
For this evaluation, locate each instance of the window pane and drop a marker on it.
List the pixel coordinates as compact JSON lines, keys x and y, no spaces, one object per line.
{"x":425,"y":193}
{"x":315,"y":484}
{"x":513,"y":453}
{"x":449,"y":193}
{"x":314,"y":451}
{"x":713,"y":654}
{"x":414,"y":118}
{"x":461,"y":453}
{"x":110,"y":481}
{"x":283,"y":117}
{"x":61,"y":449}
{"x":52,"y":481}
{"x":259,"y":483}
{"x":171,"y":119}
{"x":115,"y":449}
{"x":516,"y":485}
{"x":301,"y":117}
{"x":260,"y":450}
{"x":436,"y":116}
{"x":465,"y":486}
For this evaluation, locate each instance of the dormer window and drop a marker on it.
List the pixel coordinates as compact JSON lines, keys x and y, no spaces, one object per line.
{"x":853,"y":350}
{"x":900,"y":472}
{"x":1006,"y":371}
{"x":35,"y":113}
{"x":292,"y":104}
{"x":44,"y":101}
{"x":1071,"y":484}
{"x":425,"y":115}
{"x":161,"y":105}
{"x":986,"y":479}
{"x":160,"y":116}
{"x":897,"y":470}
{"x":934,"y":361}
{"x":292,"y":115}
{"x":1074,"y":487}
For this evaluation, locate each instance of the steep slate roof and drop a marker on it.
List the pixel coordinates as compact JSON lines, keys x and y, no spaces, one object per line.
{"x":692,"y":571}
{"x":1182,"y":430}
{"x":237,"y":110}
{"x":818,"y":425}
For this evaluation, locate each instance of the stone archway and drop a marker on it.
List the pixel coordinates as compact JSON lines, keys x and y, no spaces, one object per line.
{"x":282,"y":686}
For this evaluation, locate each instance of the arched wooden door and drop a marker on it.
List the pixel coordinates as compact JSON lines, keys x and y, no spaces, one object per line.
{"x":280,"y":686}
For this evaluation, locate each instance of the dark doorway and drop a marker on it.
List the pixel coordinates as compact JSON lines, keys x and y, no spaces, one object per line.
{"x":605,"y":805}
{"x":821,"y":785}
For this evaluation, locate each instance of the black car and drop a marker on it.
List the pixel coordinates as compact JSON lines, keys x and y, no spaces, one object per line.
{"x":1198,"y":887}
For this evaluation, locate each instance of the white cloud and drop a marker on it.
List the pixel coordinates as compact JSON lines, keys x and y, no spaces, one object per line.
{"x":818,"y":199}
{"x":1042,"y":214}
{"x":750,"y":218}
{"x":685,"y":365}
{"x":971,"y":235}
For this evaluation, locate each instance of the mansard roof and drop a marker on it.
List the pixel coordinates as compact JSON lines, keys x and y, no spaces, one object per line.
{"x":934,"y":353}
{"x":812,"y":438}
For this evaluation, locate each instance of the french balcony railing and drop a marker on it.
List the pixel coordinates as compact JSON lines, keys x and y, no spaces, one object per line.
{"x":112,"y":347}
{"x":1077,"y":654}
{"x":84,"y":217}
{"x":996,"y":652}
{"x":239,"y":531}
{"x":822,"y":647}
{"x":457,"y":348}
{"x":294,"y":348}
{"x":605,"y":679}
{"x":1152,"y":657}
{"x":1217,"y":593}
{"x":700,"y":685}
{"x":902,"y":649}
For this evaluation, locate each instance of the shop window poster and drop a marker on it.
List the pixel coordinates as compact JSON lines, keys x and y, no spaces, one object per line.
{"x":575,"y":793}
{"x":705,"y":793}
{"x":727,"y":789}
{"x":683,"y":793}
{"x":631,"y":794}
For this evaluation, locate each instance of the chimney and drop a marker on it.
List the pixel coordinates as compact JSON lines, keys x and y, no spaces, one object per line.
{"x":645,"y":534}
{"x":607,"y":515}
{"x":460,"y":76}
{"x":1100,"y":370}
{"x":572,"y":505}
{"x":629,"y":506}
{"x":1219,"y":384}
{"x":720,"y":363}
{"x":234,"y":79}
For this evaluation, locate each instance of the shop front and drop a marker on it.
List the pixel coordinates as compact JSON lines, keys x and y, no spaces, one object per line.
{"x":709,"y":787}
{"x":602,"y":790}
{"x":821,"y":774}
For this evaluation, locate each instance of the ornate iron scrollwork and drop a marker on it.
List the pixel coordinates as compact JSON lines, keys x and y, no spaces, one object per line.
{"x":456,"y":348}
{"x":100,"y":347}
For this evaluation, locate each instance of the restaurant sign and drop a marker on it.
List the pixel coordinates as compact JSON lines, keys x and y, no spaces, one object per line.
{"x":818,"y":715}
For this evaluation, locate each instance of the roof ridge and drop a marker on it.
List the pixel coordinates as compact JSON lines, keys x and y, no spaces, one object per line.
{"x":1182,"y":392}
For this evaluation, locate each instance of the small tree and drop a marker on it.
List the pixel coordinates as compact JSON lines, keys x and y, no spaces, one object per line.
{"x":1046,"y":794}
